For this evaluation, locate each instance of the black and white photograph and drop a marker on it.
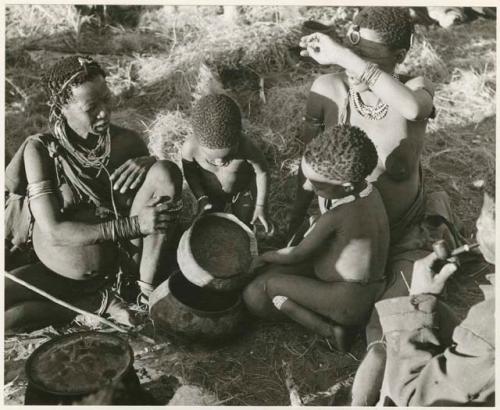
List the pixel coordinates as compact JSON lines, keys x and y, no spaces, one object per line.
{"x":249,"y":205}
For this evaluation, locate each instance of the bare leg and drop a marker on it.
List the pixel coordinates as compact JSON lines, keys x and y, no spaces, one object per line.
{"x":255,"y":294}
{"x":338,"y":301}
{"x":28,"y":310}
{"x":345,"y":303}
{"x":370,"y":374}
{"x":369,"y":377}
{"x":163,"y":179}
{"x":316,"y":323}
{"x":32,"y":315}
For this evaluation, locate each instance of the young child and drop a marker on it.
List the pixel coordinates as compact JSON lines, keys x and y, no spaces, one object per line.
{"x":336,"y":273}
{"x":221,"y":165}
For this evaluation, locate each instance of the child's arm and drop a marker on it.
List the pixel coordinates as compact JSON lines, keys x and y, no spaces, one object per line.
{"x":193,"y":177}
{"x":303,"y":198}
{"x":323,"y":230}
{"x":255,"y":157}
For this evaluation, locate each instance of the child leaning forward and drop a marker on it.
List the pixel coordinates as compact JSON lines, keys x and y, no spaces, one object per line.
{"x":332,"y":278}
{"x":221,"y":165}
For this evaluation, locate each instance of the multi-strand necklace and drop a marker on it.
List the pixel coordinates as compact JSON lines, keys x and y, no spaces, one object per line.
{"x":373,"y":112}
{"x":95,"y":157}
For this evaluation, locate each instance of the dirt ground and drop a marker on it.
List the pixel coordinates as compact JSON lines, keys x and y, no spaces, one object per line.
{"x":153,"y":56}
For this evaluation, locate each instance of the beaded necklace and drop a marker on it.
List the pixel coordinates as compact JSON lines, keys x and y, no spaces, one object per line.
{"x":372,"y":112}
{"x":95,"y":157}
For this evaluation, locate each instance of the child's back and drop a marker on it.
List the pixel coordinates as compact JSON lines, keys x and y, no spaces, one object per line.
{"x":358,"y":248}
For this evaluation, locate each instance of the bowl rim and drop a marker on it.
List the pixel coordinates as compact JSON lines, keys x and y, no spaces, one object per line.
{"x":49,"y":343}
{"x":202,"y":277}
{"x":239,"y":300}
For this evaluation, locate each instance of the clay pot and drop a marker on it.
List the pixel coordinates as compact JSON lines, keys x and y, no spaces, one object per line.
{"x":41,"y":390}
{"x":216,"y":252}
{"x":193,"y":312}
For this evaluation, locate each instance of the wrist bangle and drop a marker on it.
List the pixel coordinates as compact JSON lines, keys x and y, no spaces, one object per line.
{"x":122,"y":228}
{"x":371,"y":74}
{"x":202,"y":197}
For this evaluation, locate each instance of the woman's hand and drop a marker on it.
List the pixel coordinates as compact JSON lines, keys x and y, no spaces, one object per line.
{"x":323,"y":49}
{"x":156,"y":216}
{"x":131,"y":173}
{"x":260,"y":216}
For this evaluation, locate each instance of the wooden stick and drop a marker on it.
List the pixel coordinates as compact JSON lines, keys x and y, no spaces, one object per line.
{"x":331,"y":392}
{"x":65,"y":304}
{"x":295,"y":399}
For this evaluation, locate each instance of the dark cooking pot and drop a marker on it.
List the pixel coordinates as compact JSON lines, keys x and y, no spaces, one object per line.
{"x":194,"y":312}
{"x":69,"y":368}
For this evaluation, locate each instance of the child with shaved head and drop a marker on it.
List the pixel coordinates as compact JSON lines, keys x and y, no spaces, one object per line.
{"x":332,"y":278}
{"x":223,"y":166}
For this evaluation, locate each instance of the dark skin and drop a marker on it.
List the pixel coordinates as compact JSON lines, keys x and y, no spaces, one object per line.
{"x":220,"y":173}
{"x":322,"y":276}
{"x":398,"y":137}
{"x":66,"y":236}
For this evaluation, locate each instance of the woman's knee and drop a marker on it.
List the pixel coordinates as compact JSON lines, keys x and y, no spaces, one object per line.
{"x":166,"y":178}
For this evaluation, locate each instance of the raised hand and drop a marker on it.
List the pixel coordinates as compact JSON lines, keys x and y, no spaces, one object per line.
{"x":323,"y":49}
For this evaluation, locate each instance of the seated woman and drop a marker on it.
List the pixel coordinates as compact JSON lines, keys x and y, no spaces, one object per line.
{"x":333,"y":277}
{"x":91,"y":195}
{"x":394,"y":111}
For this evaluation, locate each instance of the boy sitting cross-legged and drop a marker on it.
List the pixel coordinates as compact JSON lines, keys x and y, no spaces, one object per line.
{"x":332,"y":278}
{"x":221,"y":165}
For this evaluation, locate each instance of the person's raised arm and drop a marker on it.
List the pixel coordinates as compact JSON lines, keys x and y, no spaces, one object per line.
{"x":256,"y":158}
{"x":413,"y":104}
{"x":46,"y":209}
{"x":323,"y":230}
{"x":193,"y":177}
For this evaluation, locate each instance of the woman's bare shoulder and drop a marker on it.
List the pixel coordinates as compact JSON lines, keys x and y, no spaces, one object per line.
{"x":330,"y":84}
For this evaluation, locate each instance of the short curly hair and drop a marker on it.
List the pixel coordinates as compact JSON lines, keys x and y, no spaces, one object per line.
{"x":394,"y":24}
{"x":75,"y":69}
{"x":216,"y":121}
{"x":343,"y":153}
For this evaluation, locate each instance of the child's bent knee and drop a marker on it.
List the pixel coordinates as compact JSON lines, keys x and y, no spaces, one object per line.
{"x":255,"y":297}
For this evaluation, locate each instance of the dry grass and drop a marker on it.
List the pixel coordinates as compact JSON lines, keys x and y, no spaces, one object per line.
{"x":154,"y":71}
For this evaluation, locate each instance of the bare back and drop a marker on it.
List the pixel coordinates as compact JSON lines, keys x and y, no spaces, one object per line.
{"x":357,"y":251}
